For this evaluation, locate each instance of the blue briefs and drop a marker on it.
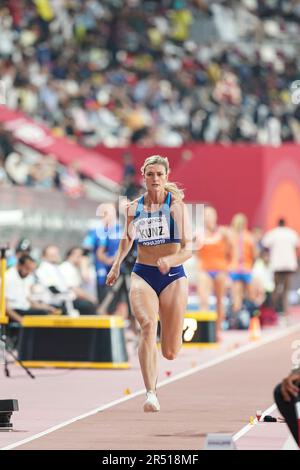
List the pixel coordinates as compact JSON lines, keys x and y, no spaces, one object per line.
{"x":157,"y":280}
{"x":213,"y":274}
{"x":241,"y":276}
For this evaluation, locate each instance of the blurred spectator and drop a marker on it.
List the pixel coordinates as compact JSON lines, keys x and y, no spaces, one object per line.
{"x":44,"y":174}
{"x":35,"y":170}
{"x":128,"y":166}
{"x":154,"y":73}
{"x":16,"y":168}
{"x":131,"y":189}
{"x":22,"y":248}
{"x":6,"y":141}
{"x":4,"y":181}
{"x":48,"y":272}
{"x":257,"y":234}
{"x":71,"y":271}
{"x":71,"y":181}
{"x":66,"y":293}
{"x":262,"y":279}
{"x":262,"y":288}
{"x":283,"y":243}
{"x":19,"y":282}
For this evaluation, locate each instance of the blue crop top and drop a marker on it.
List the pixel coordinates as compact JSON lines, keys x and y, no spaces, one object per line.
{"x":155,"y":228}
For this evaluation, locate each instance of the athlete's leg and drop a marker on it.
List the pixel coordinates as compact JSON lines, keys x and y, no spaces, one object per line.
{"x":256,"y":291}
{"x":237,"y":290}
{"x":204,"y":289}
{"x":286,"y":287}
{"x":277,"y":293}
{"x":172,"y":307}
{"x":220,"y":287}
{"x":247,"y":289}
{"x":144,"y":304}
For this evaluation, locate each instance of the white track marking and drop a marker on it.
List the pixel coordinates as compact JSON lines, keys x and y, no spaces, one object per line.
{"x":290,"y":444}
{"x":249,"y":347}
{"x":249,"y":426}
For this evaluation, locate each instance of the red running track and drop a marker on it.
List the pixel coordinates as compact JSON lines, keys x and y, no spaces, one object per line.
{"x":219,"y":398}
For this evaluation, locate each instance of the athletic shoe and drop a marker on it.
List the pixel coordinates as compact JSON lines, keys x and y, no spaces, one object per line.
{"x":151,"y":404}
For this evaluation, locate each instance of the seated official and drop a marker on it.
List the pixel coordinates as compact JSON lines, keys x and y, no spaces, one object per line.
{"x":72,"y":274}
{"x":53,"y":278}
{"x":19,"y":281}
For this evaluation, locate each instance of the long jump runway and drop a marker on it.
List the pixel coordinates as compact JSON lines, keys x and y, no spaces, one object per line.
{"x":218,"y":397}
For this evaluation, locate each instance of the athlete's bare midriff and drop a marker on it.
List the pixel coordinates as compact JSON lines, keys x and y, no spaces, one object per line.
{"x":151,"y":254}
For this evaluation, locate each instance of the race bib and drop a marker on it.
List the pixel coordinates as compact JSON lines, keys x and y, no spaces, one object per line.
{"x":152,"y":228}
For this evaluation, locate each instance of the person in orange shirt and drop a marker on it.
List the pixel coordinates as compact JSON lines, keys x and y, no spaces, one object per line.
{"x":243,"y":255}
{"x":214,"y":256}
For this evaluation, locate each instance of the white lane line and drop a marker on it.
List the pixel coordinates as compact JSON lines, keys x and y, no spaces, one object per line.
{"x":290,"y":444}
{"x":249,"y":347}
{"x":249,"y":426}
{"x":73,"y":420}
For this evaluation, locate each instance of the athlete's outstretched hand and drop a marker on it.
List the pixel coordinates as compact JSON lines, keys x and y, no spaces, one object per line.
{"x":113,"y":275}
{"x":163,"y":265}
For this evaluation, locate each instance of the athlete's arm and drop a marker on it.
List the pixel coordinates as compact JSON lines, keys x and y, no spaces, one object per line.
{"x":181,"y":219}
{"x":124,"y":248}
{"x":254,"y":250}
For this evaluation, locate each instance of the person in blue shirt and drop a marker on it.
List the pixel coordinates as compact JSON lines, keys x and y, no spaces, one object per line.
{"x":103,"y":241}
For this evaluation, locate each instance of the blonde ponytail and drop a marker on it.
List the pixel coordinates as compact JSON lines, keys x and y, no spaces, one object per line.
{"x":176,"y":192}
